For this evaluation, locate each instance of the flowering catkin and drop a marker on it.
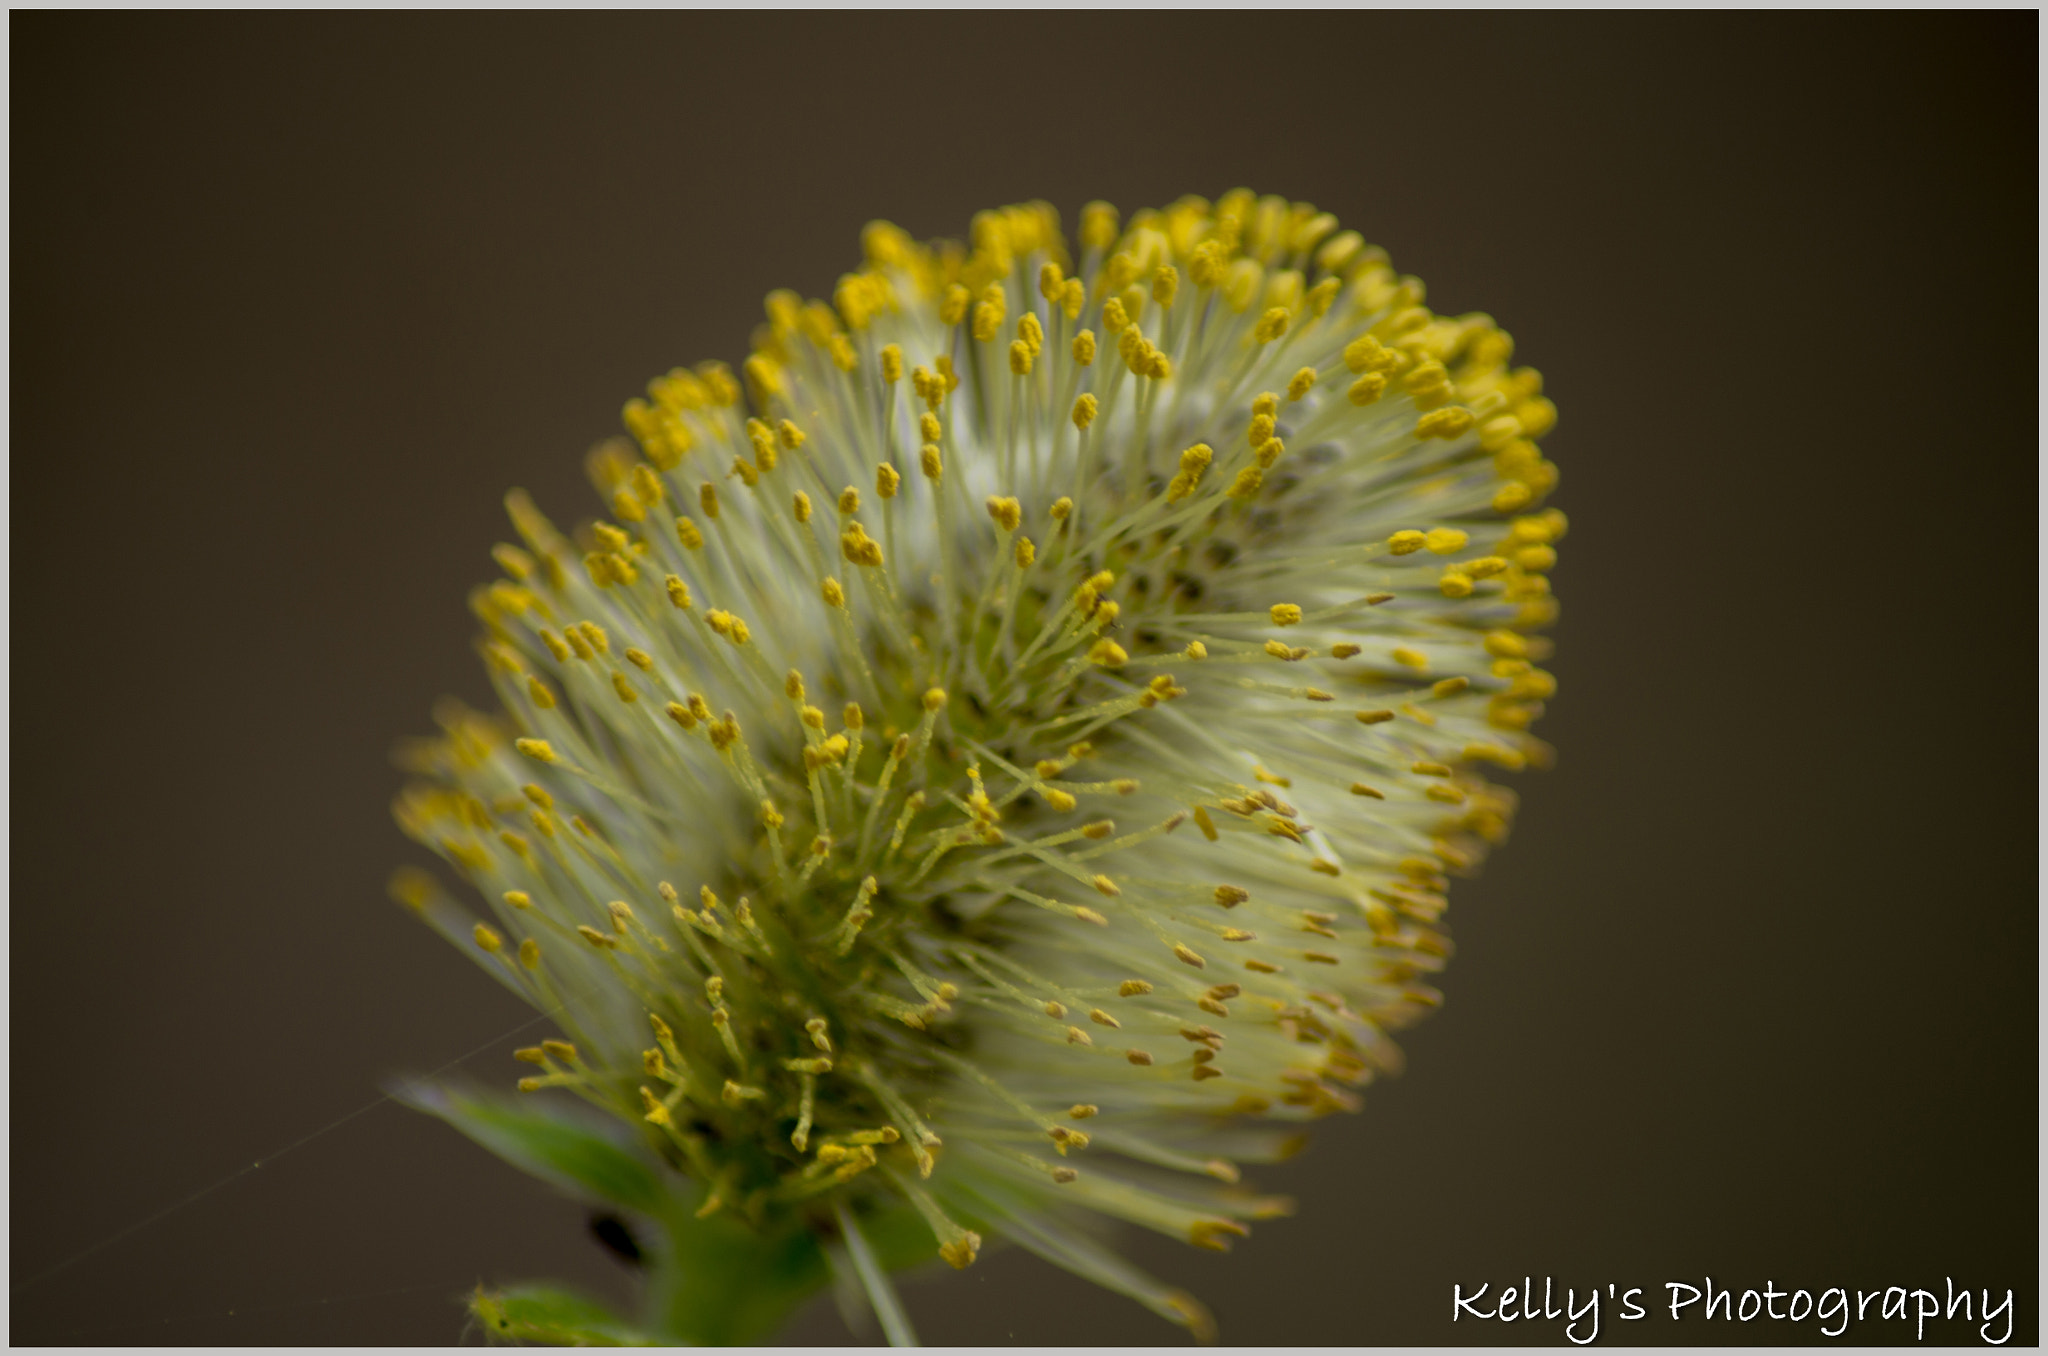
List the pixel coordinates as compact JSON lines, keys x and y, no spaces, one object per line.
{"x":1005,"y":750}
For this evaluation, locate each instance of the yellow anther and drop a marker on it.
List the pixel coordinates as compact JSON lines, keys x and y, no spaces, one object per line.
{"x":1106,"y":886}
{"x":1301,"y":383}
{"x":929,"y":462}
{"x":1378,"y":717}
{"x":1059,"y":800}
{"x":1084,"y":410}
{"x":678,"y":592}
{"x":1485,"y":567}
{"x":989,"y":314}
{"x":1062,"y":509}
{"x":1084,"y":348}
{"x":1367,"y":354}
{"x":1447,"y":424}
{"x":834,"y":595}
{"x":1361,"y":789}
{"x":1247,"y":483}
{"x":1413,"y":659}
{"x":1073,"y":297}
{"x":1020,"y":358}
{"x":1101,"y":1018}
{"x":928,"y":427}
{"x":1408,"y":542}
{"x":1343,"y":651}
{"x":858,"y":547}
{"x":1051,"y":281}
{"x":487,"y":939}
{"x":1367,"y":389}
{"x":1286,"y":614}
{"x":687,"y":533}
{"x":801,"y":506}
{"x":707,"y":499}
{"x":640,"y":659}
{"x":1425,"y":378}
{"x":597,"y":939}
{"x":790,"y":435}
{"x":1429,"y":769}
{"x":1165,"y":283}
{"x":1114,"y":318}
{"x":887,"y":480}
{"x":1445,"y":541}
{"x":1455,"y":585}
{"x":647,"y":485}
{"x":1506,"y":644}
{"x":892,"y":364}
{"x":1186,"y":956}
{"x":700,"y":708}
{"x":1536,"y":559}
{"x":540,"y":693}
{"x":1450,"y":687}
{"x":1098,"y":226}
{"x":529,"y":954}
{"x":953,"y":305}
{"x":1031,"y":332}
{"x":850,"y":716}
{"x":537,"y":749}
{"x":1108,"y":653}
{"x":1537,"y":417}
{"x":934,"y":699}
{"x":1025,"y":553}
{"x":1006,"y":512}
{"x":1271,"y":325}
{"x":849,"y":501}
{"x":1192,"y":463}
{"x":1269,"y":452}
{"x":622,"y":687}
{"x":680,"y":714}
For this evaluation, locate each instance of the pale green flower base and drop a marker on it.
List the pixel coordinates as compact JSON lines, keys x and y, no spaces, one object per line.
{"x":710,"y":1282}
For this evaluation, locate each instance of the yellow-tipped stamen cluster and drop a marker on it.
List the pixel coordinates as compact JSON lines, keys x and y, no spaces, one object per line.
{"x":1171,"y":593}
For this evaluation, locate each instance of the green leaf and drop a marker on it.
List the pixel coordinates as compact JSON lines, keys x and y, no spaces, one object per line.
{"x":542,"y":1313}
{"x":571,"y":1153}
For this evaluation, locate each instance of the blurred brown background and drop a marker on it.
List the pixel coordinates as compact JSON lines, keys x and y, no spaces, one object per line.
{"x":1753,"y":993}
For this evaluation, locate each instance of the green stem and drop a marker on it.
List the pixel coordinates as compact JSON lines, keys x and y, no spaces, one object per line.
{"x":718,"y":1283}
